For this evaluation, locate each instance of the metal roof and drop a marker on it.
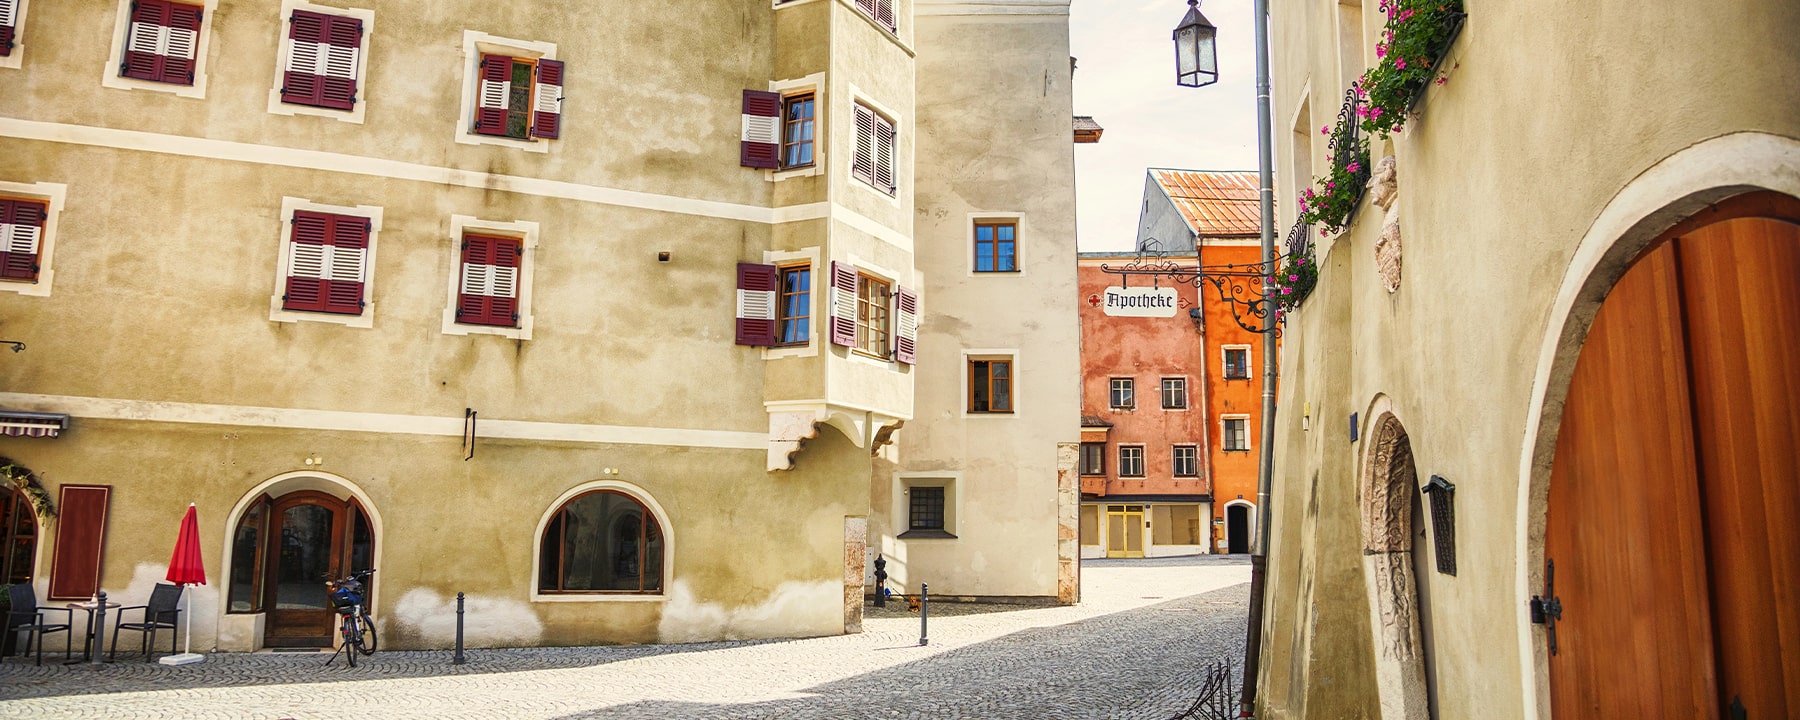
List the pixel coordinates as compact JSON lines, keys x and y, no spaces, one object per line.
{"x":1215,"y":203}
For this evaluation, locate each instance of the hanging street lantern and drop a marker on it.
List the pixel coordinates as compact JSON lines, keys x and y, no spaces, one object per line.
{"x":1196,"y":59}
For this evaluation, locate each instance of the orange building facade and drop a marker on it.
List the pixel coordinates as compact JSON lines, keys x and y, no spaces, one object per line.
{"x":1171,"y":407}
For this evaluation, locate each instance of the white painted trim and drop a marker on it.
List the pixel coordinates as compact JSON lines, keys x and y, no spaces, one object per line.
{"x":16,"y":59}
{"x":811,"y":349}
{"x":1197,"y":457}
{"x":378,"y":423}
{"x":298,"y":477}
{"x":398,"y":170}
{"x":1018,"y":220}
{"x":286,"y":230}
{"x":1112,"y":384}
{"x":636,"y":493}
{"x":1018,"y":403}
{"x":1665,"y":193}
{"x":927,"y":8}
{"x":902,"y":509}
{"x":784,"y":4}
{"x":866,"y":224}
{"x":1250,"y":519}
{"x":1248,"y":443}
{"x":474,"y":45}
{"x":109,"y":75}
{"x":1249,"y":362}
{"x":355,"y":114}
{"x":527,"y":232}
{"x":815,"y":84}
{"x":1187,"y":395}
{"x":54,"y":194}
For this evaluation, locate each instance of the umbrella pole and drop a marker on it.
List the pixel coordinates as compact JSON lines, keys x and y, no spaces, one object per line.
{"x":187,"y":646}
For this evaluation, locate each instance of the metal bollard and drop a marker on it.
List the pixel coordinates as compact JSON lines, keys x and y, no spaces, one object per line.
{"x":924,"y":612}
{"x":459,"y":659}
{"x":98,"y":630}
{"x":880,"y":581}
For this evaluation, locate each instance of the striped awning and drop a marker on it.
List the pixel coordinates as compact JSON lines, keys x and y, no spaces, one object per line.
{"x":32,"y":424}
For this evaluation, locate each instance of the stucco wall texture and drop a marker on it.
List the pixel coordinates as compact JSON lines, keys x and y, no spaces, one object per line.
{"x":158,"y":337}
{"x":1549,"y":113}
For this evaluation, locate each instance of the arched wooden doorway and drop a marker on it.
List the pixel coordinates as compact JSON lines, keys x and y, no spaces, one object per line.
{"x":1394,"y":570}
{"x":1673,"y":521}
{"x":283,"y":550}
{"x":19,"y":533}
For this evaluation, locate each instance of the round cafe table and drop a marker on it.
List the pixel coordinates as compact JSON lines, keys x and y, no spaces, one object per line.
{"x":96,"y":620}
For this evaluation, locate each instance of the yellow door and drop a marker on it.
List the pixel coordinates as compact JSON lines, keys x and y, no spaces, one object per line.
{"x":1125,"y":531}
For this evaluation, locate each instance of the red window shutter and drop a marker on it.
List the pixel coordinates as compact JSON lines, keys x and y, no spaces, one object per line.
{"x":9,"y":20}
{"x":761,"y":136}
{"x":143,"y":59}
{"x":546,"y":115}
{"x":183,"y":45}
{"x":80,"y":541}
{"x":492,"y":92}
{"x":300,"y":84}
{"x":488,"y":290}
{"x":884,"y":155}
{"x":863,"y":165}
{"x":349,"y":265}
{"x":906,"y":325}
{"x":843,"y":304}
{"x":308,"y":250}
{"x":343,"y":45}
{"x":758,"y":290}
{"x":21,"y":238}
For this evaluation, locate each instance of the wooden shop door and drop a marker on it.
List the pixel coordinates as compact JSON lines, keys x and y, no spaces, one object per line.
{"x":1672,"y":519}
{"x":307,"y":534}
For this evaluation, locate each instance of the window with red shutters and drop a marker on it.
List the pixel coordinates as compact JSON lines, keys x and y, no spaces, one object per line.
{"x":161,"y":42}
{"x":21,"y":238}
{"x":324,"y":60}
{"x":519,"y":97}
{"x":9,"y":24}
{"x":758,"y":287}
{"x":488,"y":290}
{"x":327,"y":263}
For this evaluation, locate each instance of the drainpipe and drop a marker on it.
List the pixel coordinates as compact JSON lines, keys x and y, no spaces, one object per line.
{"x":1259,"y":553}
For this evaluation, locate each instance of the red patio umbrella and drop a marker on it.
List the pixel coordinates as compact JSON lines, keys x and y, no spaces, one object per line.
{"x":186,"y":568}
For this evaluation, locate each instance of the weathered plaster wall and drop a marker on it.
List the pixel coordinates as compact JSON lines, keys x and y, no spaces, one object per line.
{"x":1501,"y":174}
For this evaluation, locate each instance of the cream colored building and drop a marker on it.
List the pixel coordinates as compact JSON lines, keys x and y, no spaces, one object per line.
{"x":609,"y":320}
{"x":1560,"y":151}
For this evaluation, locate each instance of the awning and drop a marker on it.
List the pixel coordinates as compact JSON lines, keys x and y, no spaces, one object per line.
{"x":32,"y":424}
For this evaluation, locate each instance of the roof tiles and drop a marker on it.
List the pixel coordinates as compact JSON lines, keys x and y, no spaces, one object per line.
{"x":1214,"y":203}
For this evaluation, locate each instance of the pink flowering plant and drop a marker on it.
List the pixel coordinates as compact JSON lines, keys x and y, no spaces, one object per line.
{"x":1293,"y":280}
{"x":1332,"y":199}
{"x":1416,"y":35}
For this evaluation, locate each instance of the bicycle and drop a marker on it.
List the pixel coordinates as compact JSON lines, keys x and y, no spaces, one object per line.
{"x":356,"y":627}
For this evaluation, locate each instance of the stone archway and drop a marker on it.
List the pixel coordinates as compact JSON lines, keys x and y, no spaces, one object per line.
{"x":1389,"y":490}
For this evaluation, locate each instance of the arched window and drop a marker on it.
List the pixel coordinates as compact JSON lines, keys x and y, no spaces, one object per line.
{"x":19,"y":532}
{"x":601,"y":542}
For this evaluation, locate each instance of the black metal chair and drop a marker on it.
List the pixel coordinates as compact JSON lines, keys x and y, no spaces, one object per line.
{"x":163,"y":611}
{"x":26,"y":616}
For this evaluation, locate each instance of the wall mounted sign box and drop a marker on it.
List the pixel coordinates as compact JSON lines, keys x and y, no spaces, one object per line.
{"x":1141,"y":302}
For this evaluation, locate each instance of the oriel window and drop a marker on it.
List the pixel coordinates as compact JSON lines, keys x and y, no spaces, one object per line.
{"x":796,"y":305}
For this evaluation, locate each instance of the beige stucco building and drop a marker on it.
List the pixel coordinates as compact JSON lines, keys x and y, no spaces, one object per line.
{"x":632,"y":326}
{"x":1558,"y":153}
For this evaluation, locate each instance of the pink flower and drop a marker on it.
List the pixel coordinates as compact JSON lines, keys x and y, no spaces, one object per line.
{"x":1330,"y":184}
{"x":1270,"y":279}
{"x":1293,"y":278}
{"x":1399,"y":128}
{"x":1325,"y":130}
{"x":1360,"y":92}
{"x":1443,"y":80}
{"x":1400,"y":62}
{"x":1287,"y":291}
{"x":1300,"y":261}
{"x":1404,"y":14}
{"x":1380,"y":50}
{"x":1354,"y":167}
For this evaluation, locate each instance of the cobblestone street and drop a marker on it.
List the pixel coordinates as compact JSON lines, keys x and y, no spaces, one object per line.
{"x":1132,"y":649}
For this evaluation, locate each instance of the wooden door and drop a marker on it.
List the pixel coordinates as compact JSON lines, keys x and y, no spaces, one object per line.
{"x":1125,"y":531}
{"x":1674,"y":496}
{"x":306,"y":536}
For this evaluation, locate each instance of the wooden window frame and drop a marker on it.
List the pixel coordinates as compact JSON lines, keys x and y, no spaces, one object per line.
{"x":810,"y":122}
{"x":1243,"y":370}
{"x":1225,"y":435}
{"x":1180,"y":386}
{"x":1097,"y":452}
{"x":477,"y":45}
{"x":1012,"y":384}
{"x":874,"y":316}
{"x":1125,"y":466}
{"x":782,"y":318}
{"x":1193,"y":459}
{"x":553,"y":525}
{"x":1012,"y":257}
{"x":1129,"y":388}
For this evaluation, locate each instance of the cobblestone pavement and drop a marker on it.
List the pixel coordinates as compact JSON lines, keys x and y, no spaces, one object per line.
{"x":1132,"y":649}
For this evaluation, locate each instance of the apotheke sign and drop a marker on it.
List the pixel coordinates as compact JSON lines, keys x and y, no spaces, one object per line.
{"x":1140,"y":302}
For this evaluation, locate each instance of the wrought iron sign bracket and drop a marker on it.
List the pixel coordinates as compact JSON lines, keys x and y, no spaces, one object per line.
{"x":1239,"y":285}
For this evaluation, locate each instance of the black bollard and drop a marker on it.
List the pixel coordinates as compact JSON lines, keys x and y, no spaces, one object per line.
{"x":459,"y":631}
{"x":880,"y":581}
{"x":97,"y":631}
{"x":924,"y":612}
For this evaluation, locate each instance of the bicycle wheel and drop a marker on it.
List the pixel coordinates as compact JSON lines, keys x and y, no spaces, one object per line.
{"x":350,"y":639}
{"x":369,"y":640}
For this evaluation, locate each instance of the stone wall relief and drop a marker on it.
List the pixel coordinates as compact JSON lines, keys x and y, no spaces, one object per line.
{"x":1384,"y":191}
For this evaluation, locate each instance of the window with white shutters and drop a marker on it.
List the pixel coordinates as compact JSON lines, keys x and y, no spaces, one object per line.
{"x":21,"y":238}
{"x":162,"y":41}
{"x":881,"y":11}
{"x":873,"y":161}
{"x":327,"y":263}
{"x":518,"y":97}
{"x":12,"y":13}
{"x":323,"y":60}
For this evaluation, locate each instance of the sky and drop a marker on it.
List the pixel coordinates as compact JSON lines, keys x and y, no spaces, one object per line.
{"x":1125,"y":79}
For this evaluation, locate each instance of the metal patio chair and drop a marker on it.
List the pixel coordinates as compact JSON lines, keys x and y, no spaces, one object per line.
{"x":26,"y":616}
{"x":161,"y":613}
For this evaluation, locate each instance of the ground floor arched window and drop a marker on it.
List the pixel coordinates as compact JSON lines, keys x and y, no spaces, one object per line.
{"x":19,"y":532}
{"x":602,"y":541}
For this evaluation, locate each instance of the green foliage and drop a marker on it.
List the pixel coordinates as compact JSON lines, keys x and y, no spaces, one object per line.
{"x":1333,"y":198}
{"x":1418,"y":32}
{"x":22,"y":479}
{"x":1293,"y":281}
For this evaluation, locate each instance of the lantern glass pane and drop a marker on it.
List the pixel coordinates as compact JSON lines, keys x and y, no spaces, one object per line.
{"x":1204,"y":52}
{"x":1185,"y":46}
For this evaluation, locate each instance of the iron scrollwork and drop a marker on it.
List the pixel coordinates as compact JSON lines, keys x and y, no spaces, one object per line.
{"x":1239,"y":285}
